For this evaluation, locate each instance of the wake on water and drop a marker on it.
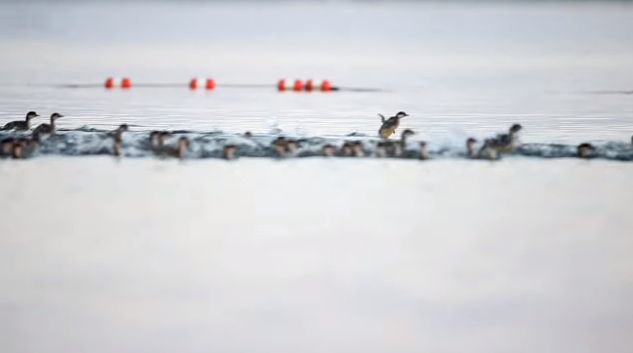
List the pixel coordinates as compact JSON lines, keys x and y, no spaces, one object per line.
{"x":88,"y":141}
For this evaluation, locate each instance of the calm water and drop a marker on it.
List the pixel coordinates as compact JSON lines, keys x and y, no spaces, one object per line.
{"x":313,"y":255}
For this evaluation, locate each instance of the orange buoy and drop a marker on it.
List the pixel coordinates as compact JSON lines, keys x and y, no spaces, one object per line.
{"x":284,"y":85}
{"x":201,"y":83}
{"x":113,"y":82}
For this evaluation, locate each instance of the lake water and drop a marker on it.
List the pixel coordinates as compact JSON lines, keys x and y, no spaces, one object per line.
{"x":530,"y":253}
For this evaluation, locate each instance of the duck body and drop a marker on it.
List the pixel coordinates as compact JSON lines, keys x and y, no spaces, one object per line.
{"x":390,"y":125}
{"x":503,"y":143}
{"x":47,"y":128}
{"x":20,"y":125}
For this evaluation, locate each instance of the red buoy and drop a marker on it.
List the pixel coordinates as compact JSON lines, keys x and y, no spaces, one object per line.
{"x":284,"y":85}
{"x":316,"y":86}
{"x":202,"y":83}
{"x":113,"y":82}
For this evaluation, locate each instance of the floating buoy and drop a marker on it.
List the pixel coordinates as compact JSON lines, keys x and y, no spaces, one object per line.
{"x":323,"y":86}
{"x":118,"y":83}
{"x":284,"y":85}
{"x":202,"y":83}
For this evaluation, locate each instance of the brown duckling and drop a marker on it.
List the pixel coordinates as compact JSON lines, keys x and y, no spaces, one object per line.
{"x":21,"y":125}
{"x":118,"y":133}
{"x":292,"y":146}
{"x":381,"y":151}
{"x":585,"y":150}
{"x":346,"y":149}
{"x":25,"y":147}
{"x":48,"y":128}
{"x":280,"y":146}
{"x":358,"y":150}
{"x":422,"y":152}
{"x":328,"y":150}
{"x":390,"y":125}
{"x":505,"y":143}
{"x":229,"y":151}
{"x":470,"y":147}
{"x":6,"y":146}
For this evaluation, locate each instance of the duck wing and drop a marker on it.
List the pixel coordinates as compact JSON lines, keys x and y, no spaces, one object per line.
{"x":382,"y":118}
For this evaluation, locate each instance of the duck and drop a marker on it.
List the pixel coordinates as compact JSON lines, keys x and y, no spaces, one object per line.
{"x":585,"y":150}
{"x":48,"y":128}
{"x":292,"y":146}
{"x":422,"y":152}
{"x":390,"y":125}
{"x":328,"y":150}
{"x":6,"y":146}
{"x":358,"y":150}
{"x":248,"y":134}
{"x":21,"y":125}
{"x":178,"y":151}
{"x":504,"y":143}
{"x":25,"y":147}
{"x":346,"y":149}
{"x":280,"y":146}
{"x":470,"y":148}
{"x":118,"y":133}
{"x":117,"y":147}
{"x":381,"y":151}
{"x":228,"y":152}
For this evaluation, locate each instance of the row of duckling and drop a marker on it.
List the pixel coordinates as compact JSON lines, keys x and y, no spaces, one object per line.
{"x":491,"y":149}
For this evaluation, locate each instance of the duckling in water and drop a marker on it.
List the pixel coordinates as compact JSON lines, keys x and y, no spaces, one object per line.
{"x":346,"y":149}
{"x":118,"y":133}
{"x":6,"y":146}
{"x":180,"y":150}
{"x":229,"y":152}
{"x":470,"y":147}
{"x":25,"y":147}
{"x":381,"y":151}
{"x":390,"y":125}
{"x":280,"y":146}
{"x":585,"y":150}
{"x":21,"y":125}
{"x":248,"y":134}
{"x":292,"y":146}
{"x":422,"y":152}
{"x":358,"y":150}
{"x":48,"y":128}
{"x":117,"y":148}
{"x":504,"y":143}
{"x":328,"y":150}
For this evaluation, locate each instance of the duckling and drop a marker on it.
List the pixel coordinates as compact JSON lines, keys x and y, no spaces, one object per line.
{"x":6,"y":146}
{"x":292,"y":146}
{"x":229,"y":152}
{"x":117,"y":148}
{"x":280,"y":146}
{"x":248,"y":134}
{"x":118,"y":133}
{"x":181,"y":148}
{"x":21,"y":125}
{"x":422,"y":152}
{"x":346,"y":149}
{"x":504,"y":143}
{"x":25,"y":147}
{"x":381,"y":151}
{"x":48,"y":128}
{"x":400,"y":150}
{"x":470,"y":147}
{"x":328,"y":150}
{"x":585,"y":150}
{"x":358,"y":150}
{"x":390,"y":125}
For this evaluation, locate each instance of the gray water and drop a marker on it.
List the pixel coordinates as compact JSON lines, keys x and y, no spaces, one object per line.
{"x":315,"y":255}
